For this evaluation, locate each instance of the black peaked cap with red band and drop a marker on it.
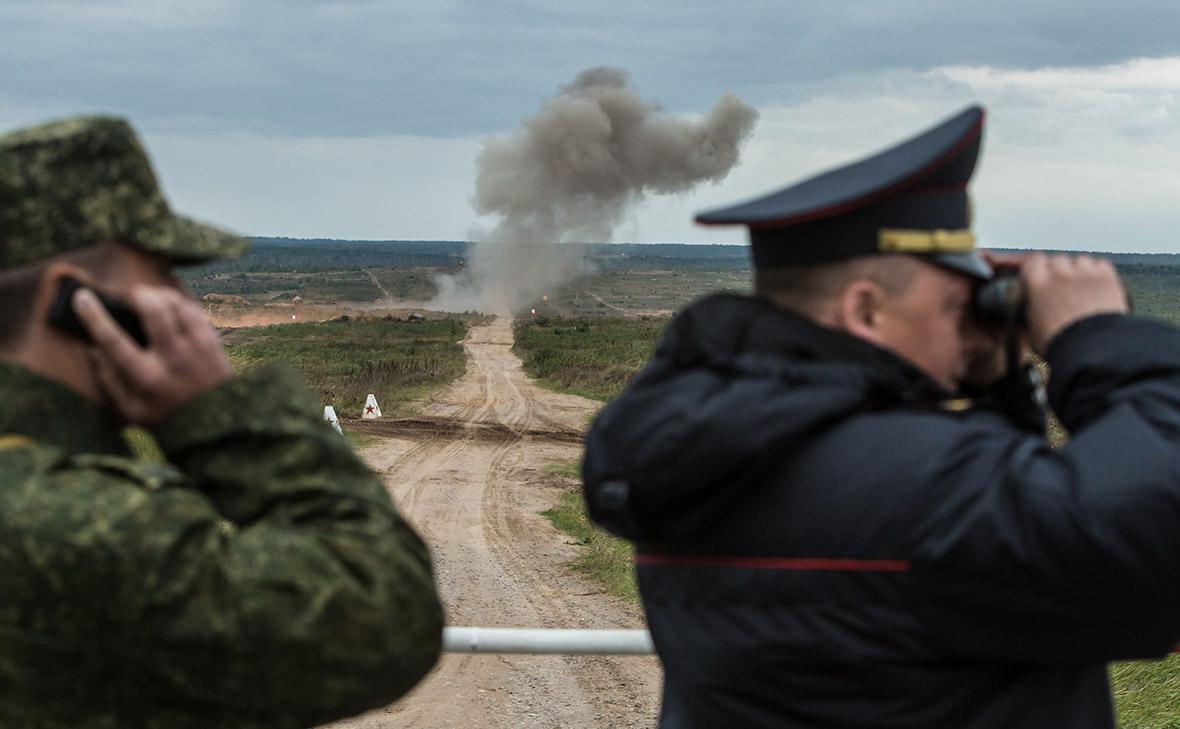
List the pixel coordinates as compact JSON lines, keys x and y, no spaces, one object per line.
{"x":910,"y":198}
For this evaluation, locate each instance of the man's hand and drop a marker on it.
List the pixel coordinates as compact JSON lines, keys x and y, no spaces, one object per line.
{"x":1062,"y":289}
{"x":184,"y":356}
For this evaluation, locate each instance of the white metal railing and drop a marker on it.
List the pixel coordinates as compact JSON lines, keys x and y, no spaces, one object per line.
{"x":547,"y":641}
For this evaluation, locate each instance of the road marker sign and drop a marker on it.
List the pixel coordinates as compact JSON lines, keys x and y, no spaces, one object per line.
{"x":330,"y":417}
{"x":372,"y":411}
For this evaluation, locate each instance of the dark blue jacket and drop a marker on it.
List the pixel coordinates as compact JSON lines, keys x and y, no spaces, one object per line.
{"x":824,"y":541}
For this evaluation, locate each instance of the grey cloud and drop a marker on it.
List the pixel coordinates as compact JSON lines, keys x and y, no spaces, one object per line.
{"x":461,"y":67}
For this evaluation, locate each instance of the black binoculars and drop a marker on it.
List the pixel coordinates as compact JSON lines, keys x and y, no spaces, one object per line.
{"x":999,"y":300}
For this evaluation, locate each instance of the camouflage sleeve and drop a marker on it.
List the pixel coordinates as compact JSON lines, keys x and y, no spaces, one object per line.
{"x":278,"y":580}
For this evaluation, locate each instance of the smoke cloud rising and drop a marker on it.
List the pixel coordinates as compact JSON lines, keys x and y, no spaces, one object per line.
{"x":572,"y":174}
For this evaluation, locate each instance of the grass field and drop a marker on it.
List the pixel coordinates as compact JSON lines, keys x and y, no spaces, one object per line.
{"x":604,"y":558}
{"x":343,"y":361}
{"x":594,"y":358}
{"x":1147,"y":693}
{"x":350,"y":285}
{"x":646,"y":292}
{"x":1154,"y":290}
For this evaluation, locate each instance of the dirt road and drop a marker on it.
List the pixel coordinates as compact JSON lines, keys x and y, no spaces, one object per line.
{"x":470,"y":475}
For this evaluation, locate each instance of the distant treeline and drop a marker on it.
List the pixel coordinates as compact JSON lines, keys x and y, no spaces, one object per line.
{"x":322,"y":254}
{"x":325,"y":254}
{"x":307,"y":256}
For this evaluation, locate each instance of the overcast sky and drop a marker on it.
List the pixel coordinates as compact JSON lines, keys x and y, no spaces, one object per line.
{"x":362,"y":118}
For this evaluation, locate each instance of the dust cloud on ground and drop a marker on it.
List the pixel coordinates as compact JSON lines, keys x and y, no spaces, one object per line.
{"x":571,"y":175}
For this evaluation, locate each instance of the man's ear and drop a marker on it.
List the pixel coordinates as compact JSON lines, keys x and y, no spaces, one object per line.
{"x":858,"y":310}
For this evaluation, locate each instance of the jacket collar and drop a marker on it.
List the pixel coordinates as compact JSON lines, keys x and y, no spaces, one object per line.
{"x":724,"y":327}
{"x":51,"y":413}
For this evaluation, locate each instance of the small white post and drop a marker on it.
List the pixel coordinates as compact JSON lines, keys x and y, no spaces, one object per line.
{"x":330,"y":417}
{"x":372,"y":410}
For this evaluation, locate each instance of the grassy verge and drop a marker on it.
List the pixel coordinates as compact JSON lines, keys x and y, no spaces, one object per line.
{"x":604,"y":558}
{"x":594,"y":358}
{"x":360,"y":440}
{"x":1147,"y":693}
{"x":145,"y":447}
{"x":565,"y":470}
{"x":343,"y":361}
{"x":1153,"y":291}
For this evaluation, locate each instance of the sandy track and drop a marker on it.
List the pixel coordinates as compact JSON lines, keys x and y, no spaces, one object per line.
{"x":469,"y":475}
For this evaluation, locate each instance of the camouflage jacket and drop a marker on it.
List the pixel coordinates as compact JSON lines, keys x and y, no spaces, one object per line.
{"x":261,"y":578}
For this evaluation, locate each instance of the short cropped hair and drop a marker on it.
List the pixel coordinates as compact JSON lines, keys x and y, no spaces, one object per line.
{"x":809,"y":289}
{"x":18,"y":287}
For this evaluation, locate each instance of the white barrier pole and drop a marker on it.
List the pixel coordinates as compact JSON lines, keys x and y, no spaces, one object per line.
{"x":547,"y":641}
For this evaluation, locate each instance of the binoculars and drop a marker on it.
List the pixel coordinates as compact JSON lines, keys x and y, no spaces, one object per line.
{"x":999,"y":300}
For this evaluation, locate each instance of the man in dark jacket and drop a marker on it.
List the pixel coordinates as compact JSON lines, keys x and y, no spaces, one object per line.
{"x":831,"y":533}
{"x":261,"y":577}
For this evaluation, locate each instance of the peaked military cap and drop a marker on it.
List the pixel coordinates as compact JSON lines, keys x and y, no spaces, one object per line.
{"x":77,"y":182}
{"x":911,"y":198}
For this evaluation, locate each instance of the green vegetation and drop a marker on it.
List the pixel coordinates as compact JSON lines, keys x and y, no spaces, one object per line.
{"x":257,"y":287}
{"x":292,"y":255}
{"x":352,"y":285}
{"x":1147,"y":693}
{"x":590,"y":357}
{"x":1154,"y":290}
{"x":414,"y":285}
{"x":612,"y":293}
{"x":565,"y":470}
{"x":360,"y":440}
{"x":342,"y":361}
{"x":605,"y":559}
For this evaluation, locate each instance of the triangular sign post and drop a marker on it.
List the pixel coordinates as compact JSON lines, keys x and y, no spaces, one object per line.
{"x":371,"y":408}
{"x":331,"y":419}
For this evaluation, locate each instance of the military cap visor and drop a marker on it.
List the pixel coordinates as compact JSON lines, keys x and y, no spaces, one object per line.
{"x":77,"y":182}
{"x":910,"y":198}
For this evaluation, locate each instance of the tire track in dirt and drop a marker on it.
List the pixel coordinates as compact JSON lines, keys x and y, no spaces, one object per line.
{"x":377,"y":282}
{"x":474,"y":488}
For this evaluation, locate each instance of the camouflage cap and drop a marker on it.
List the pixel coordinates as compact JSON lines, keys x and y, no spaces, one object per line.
{"x":81,"y":181}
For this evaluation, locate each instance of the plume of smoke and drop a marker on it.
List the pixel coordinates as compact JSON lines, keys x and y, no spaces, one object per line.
{"x":572,"y":174}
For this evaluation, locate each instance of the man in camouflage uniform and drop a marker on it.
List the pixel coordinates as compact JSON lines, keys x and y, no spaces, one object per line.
{"x":261,"y":577}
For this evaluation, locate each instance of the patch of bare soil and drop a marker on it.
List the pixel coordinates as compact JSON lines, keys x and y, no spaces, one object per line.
{"x":470,"y":475}
{"x":427,"y":428}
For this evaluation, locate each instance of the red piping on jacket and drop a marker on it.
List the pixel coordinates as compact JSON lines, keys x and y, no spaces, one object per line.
{"x":800,"y":564}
